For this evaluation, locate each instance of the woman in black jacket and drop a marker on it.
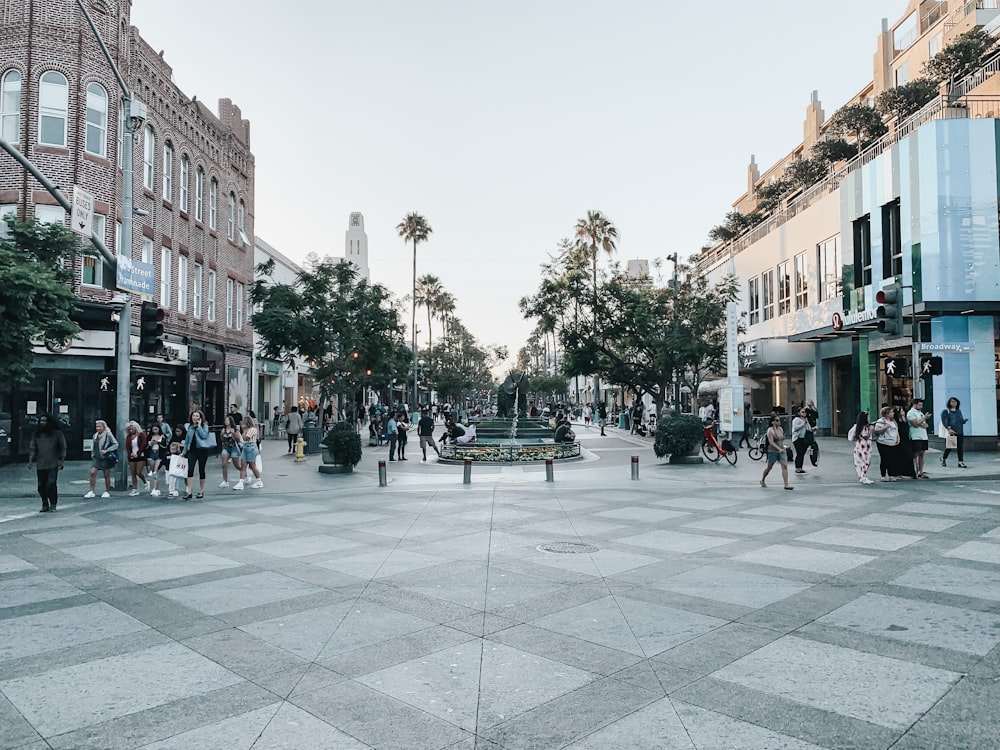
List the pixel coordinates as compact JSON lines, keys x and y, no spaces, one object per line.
{"x":48,"y":454}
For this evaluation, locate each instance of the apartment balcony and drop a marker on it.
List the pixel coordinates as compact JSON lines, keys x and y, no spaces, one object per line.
{"x":971,"y":15}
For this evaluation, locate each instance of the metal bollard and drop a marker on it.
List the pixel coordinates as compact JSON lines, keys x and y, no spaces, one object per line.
{"x":635,"y":467}
{"x":381,"y":474}
{"x":467,"y":475}
{"x":549,"y":471}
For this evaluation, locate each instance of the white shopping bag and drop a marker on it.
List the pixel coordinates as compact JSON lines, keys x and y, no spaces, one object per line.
{"x":178,"y":467}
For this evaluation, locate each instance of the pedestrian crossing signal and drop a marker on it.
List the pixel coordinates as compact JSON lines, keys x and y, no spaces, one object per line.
{"x":931,"y":366}
{"x":895,"y":367}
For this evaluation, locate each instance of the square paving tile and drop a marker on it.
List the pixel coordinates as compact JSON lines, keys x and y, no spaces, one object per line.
{"x":291,"y":509}
{"x":63,"y":628}
{"x":604,"y":562}
{"x":913,"y":621}
{"x":242,"y":532}
{"x":134,"y":545}
{"x":674,"y":541}
{"x":304,"y":546}
{"x":165,"y":568}
{"x":845,"y":536}
{"x":479,"y":684}
{"x":737,"y":525}
{"x":346,"y":518}
{"x":985,"y":552}
{"x":940,"y":509}
{"x":572,"y":527}
{"x":697,"y":503}
{"x":888,"y":692}
{"x":29,"y":589}
{"x":904,"y":522}
{"x":732,"y":586}
{"x":230,"y":594}
{"x":382,"y":563}
{"x":629,"y":625}
{"x":129,"y":683}
{"x":12,"y":564}
{"x":805,"y":512}
{"x":951,"y":579}
{"x":79,"y":535}
{"x":191,"y":522}
{"x":805,"y":558}
{"x":639,"y":513}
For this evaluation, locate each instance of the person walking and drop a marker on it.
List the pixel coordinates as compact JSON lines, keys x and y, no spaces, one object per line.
{"x":812,"y":414}
{"x":954,"y":425}
{"x":293,"y":426}
{"x":776,"y":452}
{"x":425,"y":431}
{"x":103,"y":456}
{"x":861,"y":434}
{"x":231,"y":448}
{"x":392,"y":433}
{"x":917,"y":420}
{"x":602,"y":416}
{"x":800,"y":438}
{"x":156,"y":451}
{"x":197,"y":445}
{"x":402,"y":427}
{"x":47,"y":455}
{"x":135,"y":448}
{"x":248,"y":458}
{"x":886,"y":432}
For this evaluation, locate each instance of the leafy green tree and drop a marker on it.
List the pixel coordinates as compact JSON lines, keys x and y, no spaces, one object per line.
{"x":548,"y":387}
{"x":736,"y":224}
{"x":805,"y":172}
{"x":962,"y":57}
{"x":458,"y":366}
{"x":903,"y":101}
{"x":769,"y":196}
{"x":859,"y":121}
{"x":36,"y":294}
{"x":831,"y":150}
{"x":347,"y":328}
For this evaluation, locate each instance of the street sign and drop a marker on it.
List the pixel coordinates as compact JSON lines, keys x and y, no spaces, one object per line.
{"x":134,"y":276}
{"x":82,"y":218}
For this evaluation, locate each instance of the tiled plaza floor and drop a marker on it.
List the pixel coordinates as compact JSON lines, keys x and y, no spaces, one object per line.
{"x":326,"y":612}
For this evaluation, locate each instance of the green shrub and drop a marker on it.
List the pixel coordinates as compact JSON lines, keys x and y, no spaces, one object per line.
{"x":344,"y":442}
{"x":677,"y":435}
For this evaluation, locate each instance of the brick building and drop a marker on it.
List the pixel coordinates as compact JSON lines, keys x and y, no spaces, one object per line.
{"x":194,"y":209}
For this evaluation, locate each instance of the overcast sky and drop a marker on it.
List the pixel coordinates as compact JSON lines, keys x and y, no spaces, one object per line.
{"x":503,"y":123}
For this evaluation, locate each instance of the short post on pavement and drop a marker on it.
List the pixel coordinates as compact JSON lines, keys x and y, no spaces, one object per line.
{"x":382,"y":482}
{"x":635,"y":467}
{"x":467,"y":475}
{"x":549,"y":473}
{"x":300,"y":450}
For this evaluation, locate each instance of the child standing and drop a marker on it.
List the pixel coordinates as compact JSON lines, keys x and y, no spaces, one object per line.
{"x":175,"y":448}
{"x":861,"y":433}
{"x":156,"y":450}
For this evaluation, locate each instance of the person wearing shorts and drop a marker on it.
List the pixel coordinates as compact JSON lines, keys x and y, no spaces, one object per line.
{"x":776,"y":452}
{"x":230,"y":444}
{"x":917,"y":419}
{"x":249,"y":454}
{"x":425,"y":431}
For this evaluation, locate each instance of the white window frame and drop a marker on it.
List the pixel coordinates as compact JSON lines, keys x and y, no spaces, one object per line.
{"x":182,"y":284}
{"x":147,"y":250}
{"x":10,"y":106}
{"x":231,"y":228}
{"x":148,"y":157}
{"x":7,"y":209}
{"x":210,"y":311}
{"x":230,"y":295}
{"x":185,"y":179}
{"x":239,"y":307}
{"x":800,"y":290}
{"x":96,"y":140}
{"x":166,"y":271}
{"x":121,"y":132}
{"x":784,"y":278}
{"x":829,"y":268}
{"x":53,"y":104}
{"x":213,"y":204}
{"x":95,"y":261}
{"x":196,"y":297}
{"x":199,"y":194}
{"x":46,"y":214}
{"x":753,"y":300}
{"x":767,"y":294}
{"x":168,"y":171}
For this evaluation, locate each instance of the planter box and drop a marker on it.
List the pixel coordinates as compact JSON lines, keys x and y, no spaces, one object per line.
{"x":336,"y":469}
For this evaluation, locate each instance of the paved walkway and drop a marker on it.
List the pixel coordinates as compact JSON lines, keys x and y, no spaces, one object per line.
{"x":691,"y":609}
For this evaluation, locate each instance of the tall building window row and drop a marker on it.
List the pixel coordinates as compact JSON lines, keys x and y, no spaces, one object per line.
{"x":182,"y":284}
{"x":196,"y":297}
{"x":213,"y":204}
{"x":199,"y":194}
{"x":166,"y":271}
{"x":230,"y":301}
{"x":10,"y":106}
{"x":210,"y":298}
{"x":232,"y":217}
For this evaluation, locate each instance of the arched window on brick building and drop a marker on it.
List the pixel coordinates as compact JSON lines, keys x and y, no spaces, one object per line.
{"x":168,"y":171}
{"x":148,"y":157}
{"x":10,"y":106}
{"x":53,"y":104}
{"x":97,"y":120}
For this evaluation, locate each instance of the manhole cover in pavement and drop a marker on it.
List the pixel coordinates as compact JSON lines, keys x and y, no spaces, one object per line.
{"x":568,"y":548}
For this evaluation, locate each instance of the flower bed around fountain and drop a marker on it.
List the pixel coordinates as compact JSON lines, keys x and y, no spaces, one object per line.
{"x":507,"y":451}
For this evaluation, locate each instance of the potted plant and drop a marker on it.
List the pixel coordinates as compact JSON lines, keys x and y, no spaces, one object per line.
{"x":677,"y":436}
{"x":341,"y":449}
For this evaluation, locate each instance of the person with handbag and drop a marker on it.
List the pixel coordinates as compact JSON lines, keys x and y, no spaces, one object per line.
{"x":176,"y":462}
{"x":886,"y":431}
{"x":231,"y":447}
{"x":954,"y":426}
{"x":103,"y":457}
{"x":248,"y":458}
{"x":776,"y":451}
{"x":801,"y":434}
{"x":197,"y":445}
{"x":136,"y":444}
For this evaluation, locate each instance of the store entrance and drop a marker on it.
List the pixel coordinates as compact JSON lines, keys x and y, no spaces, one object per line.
{"x":844,"y":397}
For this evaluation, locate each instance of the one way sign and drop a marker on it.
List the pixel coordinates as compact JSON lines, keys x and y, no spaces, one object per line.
{"x":82,"y":218}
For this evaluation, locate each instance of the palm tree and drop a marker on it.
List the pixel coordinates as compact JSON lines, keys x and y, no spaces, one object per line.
{"x":446,"y":310}
{"x":596,"y":232}
{"x":414,"y":228}
{"x":429,"y":291}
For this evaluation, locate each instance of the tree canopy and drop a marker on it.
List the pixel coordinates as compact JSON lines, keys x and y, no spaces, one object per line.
{"x":963,"y":56}
{"x":36,"y":294}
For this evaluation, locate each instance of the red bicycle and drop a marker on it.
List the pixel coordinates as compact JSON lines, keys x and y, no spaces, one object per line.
{"x":714,"y":449}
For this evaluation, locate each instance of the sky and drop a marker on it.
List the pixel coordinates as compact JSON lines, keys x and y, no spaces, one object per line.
{"x":504,"y":123}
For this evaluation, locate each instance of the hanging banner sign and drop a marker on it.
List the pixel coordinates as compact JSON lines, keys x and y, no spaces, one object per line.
{"x":135,"y":276}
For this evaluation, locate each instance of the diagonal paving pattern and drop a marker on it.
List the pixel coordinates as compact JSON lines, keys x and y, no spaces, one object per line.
{"x":424,"y":616}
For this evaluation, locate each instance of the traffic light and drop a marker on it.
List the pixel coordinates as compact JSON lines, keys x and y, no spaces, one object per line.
{"x":895,"y":367}
{"x":931,"y":366}
{"x":151,"y":328}
{"x":890,"y":309}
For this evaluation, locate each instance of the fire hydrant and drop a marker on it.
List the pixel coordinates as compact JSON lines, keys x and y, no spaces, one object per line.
{"x":300,"y":450}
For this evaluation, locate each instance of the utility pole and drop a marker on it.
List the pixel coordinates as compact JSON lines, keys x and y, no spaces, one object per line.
{"x":677,"y":383}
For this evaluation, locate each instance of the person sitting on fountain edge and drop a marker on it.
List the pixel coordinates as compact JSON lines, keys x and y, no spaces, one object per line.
{"x":452,"y":431}
{"x":468,"y":437}
{"x":564,"y":432}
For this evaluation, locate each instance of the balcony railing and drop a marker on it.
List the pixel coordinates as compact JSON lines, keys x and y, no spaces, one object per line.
{"x":967,"y":10}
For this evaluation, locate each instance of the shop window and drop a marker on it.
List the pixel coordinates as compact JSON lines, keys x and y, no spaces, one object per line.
{"x":863,"y":251}
{"x":801,"y":281}
{"x":830,"y":271}
{"x":753,"y":300}
{"x":767,"y":293}
{"x":784,"y":289}
{"x":892,"y":241}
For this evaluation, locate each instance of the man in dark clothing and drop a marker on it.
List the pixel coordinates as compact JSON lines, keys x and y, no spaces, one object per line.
{"x":564,"y":432}
{"x":234,"y":414}
{"x":602,"y":414}
{"x":453,"y":431}
{"x":425,"y":431}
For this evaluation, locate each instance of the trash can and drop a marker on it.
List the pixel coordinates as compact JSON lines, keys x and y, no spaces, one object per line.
{"x":623,"y":421}
{"x":311,"y":434}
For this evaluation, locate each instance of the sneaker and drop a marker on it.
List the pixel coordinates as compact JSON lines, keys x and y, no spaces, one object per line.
{"x":88,"y":495}
{"x":258,"y":484}
{"x":224,"y":484}
{"x":238,"y":485}
{"x":961,"y":465}
{"x":866,"y":480}
{"x":133,"y":493}
{"x":172,"y":494}
{"x":106,"y":494}
{"x":154,"y":493}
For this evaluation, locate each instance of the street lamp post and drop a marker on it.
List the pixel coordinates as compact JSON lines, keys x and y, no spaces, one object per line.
{"x":134,"y":114}
{"x":677,"y":382}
